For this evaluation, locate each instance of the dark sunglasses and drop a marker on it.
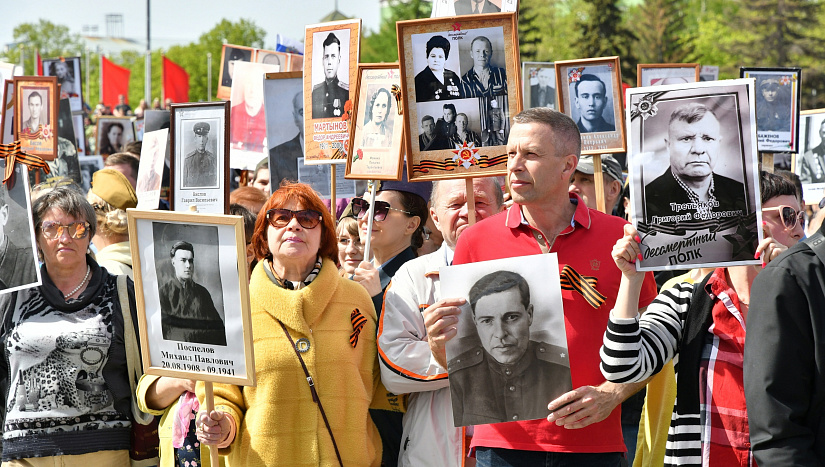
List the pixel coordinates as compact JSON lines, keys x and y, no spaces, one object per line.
{"x":790,"y":216}
{"x":360,"y":207}
{"x":53,"y":229}
{"x":307,"y":218}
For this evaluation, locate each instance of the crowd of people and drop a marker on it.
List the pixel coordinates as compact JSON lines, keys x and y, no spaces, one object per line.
{"x":371,"y":382}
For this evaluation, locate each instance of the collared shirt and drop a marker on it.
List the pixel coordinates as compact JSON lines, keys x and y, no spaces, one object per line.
{"x":496,"y":84}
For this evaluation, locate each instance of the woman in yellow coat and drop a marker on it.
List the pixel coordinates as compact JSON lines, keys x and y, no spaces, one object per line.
{"x":295,"y":289}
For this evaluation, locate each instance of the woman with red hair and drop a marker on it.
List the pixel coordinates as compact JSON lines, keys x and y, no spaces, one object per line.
{"x":316,"y":363}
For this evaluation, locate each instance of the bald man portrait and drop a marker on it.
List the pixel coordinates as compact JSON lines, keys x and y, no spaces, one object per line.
{"x":283,"y":158}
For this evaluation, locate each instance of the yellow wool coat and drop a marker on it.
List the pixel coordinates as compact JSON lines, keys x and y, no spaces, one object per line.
{"x":277,"y":421}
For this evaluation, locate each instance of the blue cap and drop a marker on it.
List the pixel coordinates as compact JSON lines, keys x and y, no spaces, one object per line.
{"x":422,"y":189}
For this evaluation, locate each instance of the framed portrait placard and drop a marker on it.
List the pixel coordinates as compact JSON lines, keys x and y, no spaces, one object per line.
{"x":693,"y":164}
{"x":35,"y":118}
{"x":376,"y":133}
{"x":457,"y":122}
{"x":443,"y":8}
{"x":513,"y":321}
{"x":199,"y":169}
{"x":230,"y":55}
{"x":248,"y":115}
{"x":206,"y":332}
{"x":79,"y":134}
{"x":284,"y":106}
{"x":7,"y":72}
{"x":810,"y":163}
{"x":150,"y":170}
{"x":113,"y":134}
{"x":539,"y":80}
{"x":139,"y":127}
{"x":656,"y":74}
{"x":88,"y":166}
{"x":67,"y":72}
{"x":709,"y":73}
{"x":66,"y":163}
{"x":19,"y":253}
{"x":590,"y":93}
{"x":271,"y":57}
{"x":777,"y":107}
{"x":7,"y":135}
{"x":330,"y":72}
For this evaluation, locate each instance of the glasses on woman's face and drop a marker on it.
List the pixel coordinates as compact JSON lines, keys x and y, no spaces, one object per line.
{"x":360,"y":207}
{"x":790,"y":216}
{"x":52,"y":230}
{"x":307,"y":218}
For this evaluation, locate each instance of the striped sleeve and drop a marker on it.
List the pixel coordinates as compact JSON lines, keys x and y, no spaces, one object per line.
{"x":637,"y":348}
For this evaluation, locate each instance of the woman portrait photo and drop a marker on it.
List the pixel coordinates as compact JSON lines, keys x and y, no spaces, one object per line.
{"x":435,"y":82}
{"x":377,"y":131}
{"x":114,"y":137}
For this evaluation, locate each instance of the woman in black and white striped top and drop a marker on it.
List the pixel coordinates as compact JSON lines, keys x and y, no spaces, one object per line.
{"x":701,"y":327}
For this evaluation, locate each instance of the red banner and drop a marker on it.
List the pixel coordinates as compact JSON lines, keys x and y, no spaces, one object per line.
{"x":175,"y":82}
{"x":114,"y":81}
{"x":39,"y":65}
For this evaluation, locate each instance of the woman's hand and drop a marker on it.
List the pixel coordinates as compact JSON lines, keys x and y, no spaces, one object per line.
{"x":215,"y":428}
{"x":627,"y":251}
{"x":768,"y":250}
{"x":366,"y":275}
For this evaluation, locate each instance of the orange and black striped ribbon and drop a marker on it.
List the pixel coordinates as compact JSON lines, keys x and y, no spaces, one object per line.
{"x":358,"y":322}
{"x":585,"y":285}
{"x":12,"y":153}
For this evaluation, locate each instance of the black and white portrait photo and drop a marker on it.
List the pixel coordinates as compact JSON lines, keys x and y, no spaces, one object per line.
{"x":200,"y":162}
{"x":8,"y":113}
{"x":113,"y":134}
{"x":330,"y":73}
{"x":694,"y":166}
{"x":88,"y":166}
{"x":483,"y":69}
{"x":539,"y":84}
{"x":67,"y":71}
{"x":810,"y":162}
{"x":150,"y":170}
{"x":284,"y":106}
{"x":591,"y":93}
{"x":437,"y":67}
{"x":66,"y":163}
{"x":777,"y":107}
{"x":231,"y":55}
{"x":18,"y":254}
{"x":456,"y":122}
{"x":657,"y":74}
{"x":509,"y":358}
{"x":193,"y":302}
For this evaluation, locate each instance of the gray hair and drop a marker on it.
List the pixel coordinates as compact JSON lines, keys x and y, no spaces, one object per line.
{"x":498,"y":195}
{"x":68,"y":200}
{"x":567,"y":138}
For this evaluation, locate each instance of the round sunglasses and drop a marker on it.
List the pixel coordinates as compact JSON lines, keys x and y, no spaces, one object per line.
{"x":52,"y":230}
{"x":307,"y":218}
{"x":790,"y":216}
{"x":360,"y":207}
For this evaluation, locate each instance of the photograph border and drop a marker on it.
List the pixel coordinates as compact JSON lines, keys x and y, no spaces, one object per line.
{"x":445,"y":163}
{"x":283,"y":55}
{"x":796,"y":157}
{"x":133,"y":215}
{"x":7,"y":111}
{"x":174,"y":155}
{"x":79,"y":79}
{"x":641,"y":67}
{"x":51,"y":82}
{"x":313,"y":153}
{"x":402,"y":149}
{"x":222,"y":92}
{"x":274,"y":76}
{"x":525,"y":79}
{"x":795,"y":104}
{"x":563,"y":89}
{"x":20,"y":175}
{"x":127,"y":123}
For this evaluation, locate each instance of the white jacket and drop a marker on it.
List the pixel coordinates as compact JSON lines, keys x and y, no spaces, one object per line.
{"x":408,"y":367}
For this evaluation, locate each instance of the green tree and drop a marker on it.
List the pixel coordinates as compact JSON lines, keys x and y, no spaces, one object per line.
{"x":382,"y":45}
{"x":662,"y":31}
{"x":51,"y":40}
{"x":603,"y":33}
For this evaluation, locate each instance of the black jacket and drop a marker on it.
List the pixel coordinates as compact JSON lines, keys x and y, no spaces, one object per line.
{"x":785,"y":360}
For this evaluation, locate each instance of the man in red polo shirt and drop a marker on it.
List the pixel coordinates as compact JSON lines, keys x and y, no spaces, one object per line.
{"x":582,"y":427}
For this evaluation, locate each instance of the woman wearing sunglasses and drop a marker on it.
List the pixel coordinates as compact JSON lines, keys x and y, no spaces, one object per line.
{"x":703,"y":327}
{"x":67,"y":381}
{"x":309,"y":322}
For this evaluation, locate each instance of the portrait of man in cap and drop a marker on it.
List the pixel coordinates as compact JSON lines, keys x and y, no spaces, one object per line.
{"x":232,"y":55}
{"x":200,"y":167}
{"x":17,"y":266}
{"x":188,"y":313}
{"x":504,"y":375}
{"x":330,"y":95}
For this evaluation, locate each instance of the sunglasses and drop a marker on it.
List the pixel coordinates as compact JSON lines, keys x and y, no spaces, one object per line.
{"x":360,"y":207}
{"x":307,"y":218}
{"x":790,"y":216}
{"x":52,"y":230}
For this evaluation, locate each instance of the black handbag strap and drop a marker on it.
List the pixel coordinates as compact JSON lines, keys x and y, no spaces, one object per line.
{"x":817,"y":243}
{"x":315,"y":397}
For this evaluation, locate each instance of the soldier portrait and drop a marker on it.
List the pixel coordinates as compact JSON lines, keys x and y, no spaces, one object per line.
{"x":200,"y":165}
{"x":509,"y":358}
{"x":330,"y":86}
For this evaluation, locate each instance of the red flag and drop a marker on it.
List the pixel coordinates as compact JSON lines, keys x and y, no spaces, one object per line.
{"x":175,"y":82}
{"x":39,"y":64}
{"x":114,"y":81}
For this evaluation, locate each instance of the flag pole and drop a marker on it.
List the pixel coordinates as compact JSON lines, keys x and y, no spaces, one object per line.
{"x":101,"y":78}
{"x":147,"y":91}
{"x":162,"y":78}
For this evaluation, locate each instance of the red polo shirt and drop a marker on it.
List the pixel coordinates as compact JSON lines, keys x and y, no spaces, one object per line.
{"x":586,"y":246}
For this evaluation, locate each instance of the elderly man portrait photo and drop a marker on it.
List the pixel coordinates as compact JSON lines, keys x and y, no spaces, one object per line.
{"x":17,"y":266}
{"x":690,"y":185}
{"x":283,"y":158}
{"x":200,"y":167}
{"x":330,"y":95}
{"x":543,"y":93}
{"x":187,"y":310}
{"x":505,"y":376}
{"x":483,"y":79}
{"x":591,"y":101}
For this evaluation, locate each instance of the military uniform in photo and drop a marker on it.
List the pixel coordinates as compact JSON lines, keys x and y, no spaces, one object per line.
{"x":200,"y":167}
{"x":328,"y":98}
{"x":188,"y":314}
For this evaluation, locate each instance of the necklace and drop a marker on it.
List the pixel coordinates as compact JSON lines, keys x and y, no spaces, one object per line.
{"x":88,"y":270}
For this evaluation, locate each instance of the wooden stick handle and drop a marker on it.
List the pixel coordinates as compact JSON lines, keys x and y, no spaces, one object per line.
{"x":471,"y":201}
{"x":210,"y":406}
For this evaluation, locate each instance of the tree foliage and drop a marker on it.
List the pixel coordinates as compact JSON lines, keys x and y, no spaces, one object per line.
{"x":663,"y":35}
{"x":603,"y":34}
{"x":382,"y":45}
